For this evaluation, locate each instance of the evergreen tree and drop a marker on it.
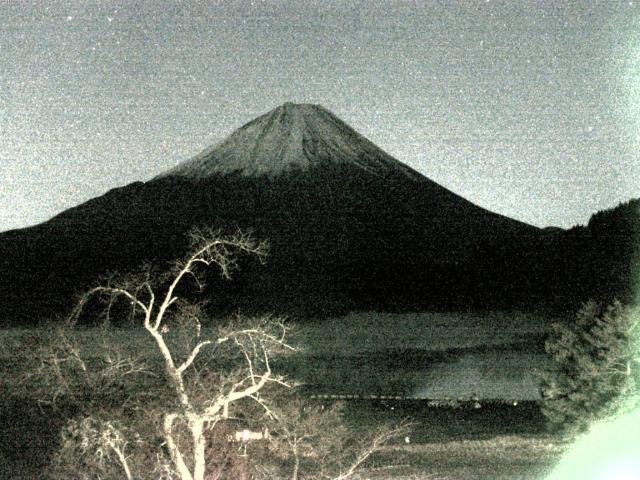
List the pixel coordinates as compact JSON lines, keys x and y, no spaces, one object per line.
{"x":596,"y":366}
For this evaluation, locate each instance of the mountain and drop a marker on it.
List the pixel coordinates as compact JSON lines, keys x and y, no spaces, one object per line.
{"x":349,"y":228}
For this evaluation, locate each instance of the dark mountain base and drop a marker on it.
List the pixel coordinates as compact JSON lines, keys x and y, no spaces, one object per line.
{"x":340,"y":240}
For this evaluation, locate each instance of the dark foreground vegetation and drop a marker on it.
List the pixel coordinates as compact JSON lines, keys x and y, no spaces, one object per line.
{"x":495,"y":441}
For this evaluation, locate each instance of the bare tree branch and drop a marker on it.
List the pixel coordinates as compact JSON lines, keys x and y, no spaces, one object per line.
{"x":187,"y":363}
{"x":372,"y":446}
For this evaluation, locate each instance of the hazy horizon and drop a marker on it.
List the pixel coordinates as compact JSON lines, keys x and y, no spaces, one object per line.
{"x":530,"y":110}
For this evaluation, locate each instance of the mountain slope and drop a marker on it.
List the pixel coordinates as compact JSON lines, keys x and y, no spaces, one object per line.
{"x":350,"y":228}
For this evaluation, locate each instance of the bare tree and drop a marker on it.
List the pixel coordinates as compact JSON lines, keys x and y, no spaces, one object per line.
{"x":163,"y":404}
{"x":254,"y":341}
{"x":314,"y":439}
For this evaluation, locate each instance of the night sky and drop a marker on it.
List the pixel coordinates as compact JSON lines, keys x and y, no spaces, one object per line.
{"x":529,"y":109}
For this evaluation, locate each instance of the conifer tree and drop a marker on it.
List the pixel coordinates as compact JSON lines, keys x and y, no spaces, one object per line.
{"x":596,"y":366}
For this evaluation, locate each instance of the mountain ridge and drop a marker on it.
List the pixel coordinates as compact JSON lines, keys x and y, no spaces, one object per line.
{"x":343,"y":237}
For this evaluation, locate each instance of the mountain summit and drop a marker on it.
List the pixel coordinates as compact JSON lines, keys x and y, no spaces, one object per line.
{"x":292,"y":137}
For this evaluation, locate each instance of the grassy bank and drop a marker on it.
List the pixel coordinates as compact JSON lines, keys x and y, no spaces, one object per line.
{"x":495,"y":442}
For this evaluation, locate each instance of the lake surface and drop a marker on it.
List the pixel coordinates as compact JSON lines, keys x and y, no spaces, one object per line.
{"x":494,"y":356}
